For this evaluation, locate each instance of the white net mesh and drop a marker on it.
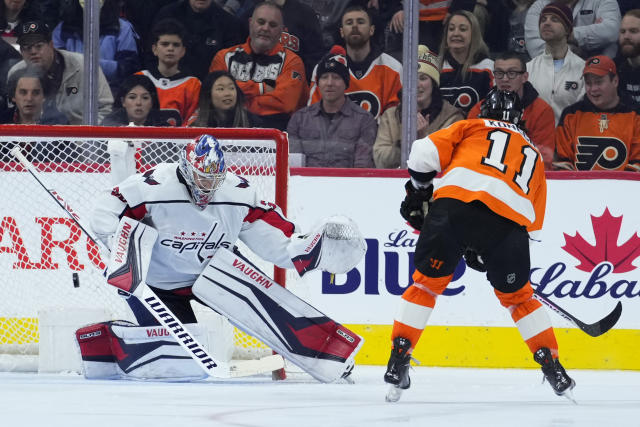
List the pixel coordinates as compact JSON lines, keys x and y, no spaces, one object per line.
{"x":45,"y":258}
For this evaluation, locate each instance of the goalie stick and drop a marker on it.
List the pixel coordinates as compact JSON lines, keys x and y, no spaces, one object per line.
{"x":594,"y":329}
{"x":158,"y":309}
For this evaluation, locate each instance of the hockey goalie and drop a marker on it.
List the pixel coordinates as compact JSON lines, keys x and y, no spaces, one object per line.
{"x":183,"y":219}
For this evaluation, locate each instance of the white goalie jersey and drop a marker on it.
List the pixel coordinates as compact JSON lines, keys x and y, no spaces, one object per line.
{"x":187,"y":236}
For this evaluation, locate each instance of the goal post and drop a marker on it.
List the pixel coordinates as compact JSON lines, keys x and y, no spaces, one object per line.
{"x":50,"y":269}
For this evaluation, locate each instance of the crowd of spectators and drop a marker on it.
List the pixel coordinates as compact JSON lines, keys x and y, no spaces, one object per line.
{"x":329,"y":72}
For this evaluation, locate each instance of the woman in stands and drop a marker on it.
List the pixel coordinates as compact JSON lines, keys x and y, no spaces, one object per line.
{"x":466,"y":71}
{"x":139,"y":106}
{"x":434,"y":113}
{"x":221,"y":103}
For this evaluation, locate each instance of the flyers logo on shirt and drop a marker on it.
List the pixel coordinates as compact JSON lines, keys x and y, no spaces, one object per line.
{"x":368,"y":101}
{"x":607,"y":152}
{"x":463,"y":97}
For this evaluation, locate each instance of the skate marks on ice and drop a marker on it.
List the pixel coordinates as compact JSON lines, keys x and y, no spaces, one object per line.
{"x":437,"y":397}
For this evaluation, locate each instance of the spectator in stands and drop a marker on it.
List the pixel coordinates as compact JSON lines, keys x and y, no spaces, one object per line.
{"x":375,"y":75}
{"x":628,"y":59}
{"x":301,"y":32}
{"x":63,"y":72}
{"x":177,"y":91}
{"x":595,"y":27}
{"x":431,"y":14}
{"x":117,"y":45}
{"x":139,"y":105}
{"x":142,"y":14}
{"x":465,"y":76}
{"x":434,"y":113}
{"x":221,"y":104}
{"x":510,"y":72}
{"x":557,"y":72}
{"x":334,"y":132}
{"x":30,"y":107}
{"x":230,"y":6}
{"x":8,"y":58}
{"x":602,"y":131}
{"x":209,"y":29}
{"x":12,"y":13}
{"x":505,"y":31}
{"x":271,"y":77}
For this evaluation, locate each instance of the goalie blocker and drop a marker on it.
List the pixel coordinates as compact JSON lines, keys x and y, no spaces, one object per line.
{"x":237,"y":289}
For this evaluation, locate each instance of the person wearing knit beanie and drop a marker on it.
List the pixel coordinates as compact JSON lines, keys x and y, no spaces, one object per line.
{"x":334,"y":62}
{"x":561,"y":11}
{"x":428,"y":63}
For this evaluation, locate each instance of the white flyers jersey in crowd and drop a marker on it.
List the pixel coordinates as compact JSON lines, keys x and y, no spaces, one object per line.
{"x":187,"y":236}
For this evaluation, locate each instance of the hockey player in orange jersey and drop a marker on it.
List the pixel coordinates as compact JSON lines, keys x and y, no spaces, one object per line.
{"x":491,"y":194}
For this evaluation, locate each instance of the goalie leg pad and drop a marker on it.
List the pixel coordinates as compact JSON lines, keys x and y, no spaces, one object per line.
{"x":122,"y":350}
{"x":238,"y":290}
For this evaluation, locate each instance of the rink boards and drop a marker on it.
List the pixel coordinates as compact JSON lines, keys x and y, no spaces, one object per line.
{"x":588,"y":259}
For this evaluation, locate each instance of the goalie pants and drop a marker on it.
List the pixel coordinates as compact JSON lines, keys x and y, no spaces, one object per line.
{"x":452,"y":226}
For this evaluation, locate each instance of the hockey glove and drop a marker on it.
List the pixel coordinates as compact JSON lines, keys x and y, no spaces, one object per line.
{"x":474,"y":260}
{"x":415,"y":205}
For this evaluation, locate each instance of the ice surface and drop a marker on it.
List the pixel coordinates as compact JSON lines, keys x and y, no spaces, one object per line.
{"x":437,"y":397}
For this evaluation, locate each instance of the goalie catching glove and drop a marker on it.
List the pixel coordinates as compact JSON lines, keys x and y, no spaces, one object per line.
{"x":336,"y":246}
{"x":415,"y":206}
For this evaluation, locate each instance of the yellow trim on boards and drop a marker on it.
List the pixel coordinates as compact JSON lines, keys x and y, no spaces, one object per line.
{"x":502,"y":347}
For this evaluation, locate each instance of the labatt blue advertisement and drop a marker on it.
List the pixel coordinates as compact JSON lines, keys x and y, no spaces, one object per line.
{"x":585,"y":261}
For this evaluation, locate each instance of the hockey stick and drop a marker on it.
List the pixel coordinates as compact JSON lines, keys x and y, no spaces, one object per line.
{"x":158,"y":309}
{"x":594,"y":329}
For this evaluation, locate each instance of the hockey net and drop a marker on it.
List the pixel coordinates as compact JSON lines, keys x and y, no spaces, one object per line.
{"x":47,"y":262}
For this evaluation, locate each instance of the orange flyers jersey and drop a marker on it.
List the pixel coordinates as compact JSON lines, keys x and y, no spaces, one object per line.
{"x":588,"y":139}
{"x":490,"y":161}
{"x":434,"y":10}
{"x":374,"y":91}
{"x":179,"y":93}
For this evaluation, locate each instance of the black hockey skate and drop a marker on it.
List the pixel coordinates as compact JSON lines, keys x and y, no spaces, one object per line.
{"x":554,"y":373}
{"x":398,"y":369}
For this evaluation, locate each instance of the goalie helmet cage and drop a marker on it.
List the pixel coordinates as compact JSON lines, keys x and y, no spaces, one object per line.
{"x":46,"y":261}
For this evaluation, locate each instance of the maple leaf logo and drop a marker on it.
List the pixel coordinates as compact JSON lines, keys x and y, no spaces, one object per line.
{"x":606,"y":229}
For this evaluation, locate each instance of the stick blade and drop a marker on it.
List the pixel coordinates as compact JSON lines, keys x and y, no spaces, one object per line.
{"x":598,"y":328}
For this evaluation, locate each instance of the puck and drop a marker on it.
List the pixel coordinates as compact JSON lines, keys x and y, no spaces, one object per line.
{"x":76,"y":280}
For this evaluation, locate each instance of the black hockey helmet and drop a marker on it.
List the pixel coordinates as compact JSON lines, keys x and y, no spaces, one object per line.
{"x":502,"y":105}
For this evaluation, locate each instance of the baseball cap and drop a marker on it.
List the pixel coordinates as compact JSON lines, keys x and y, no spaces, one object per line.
{"x":33,"y":32}
{"x":599,"y":65}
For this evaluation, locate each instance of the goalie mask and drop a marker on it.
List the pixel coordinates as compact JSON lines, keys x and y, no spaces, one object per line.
{"x":203,"y":168}
{"x":502,"y":105}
